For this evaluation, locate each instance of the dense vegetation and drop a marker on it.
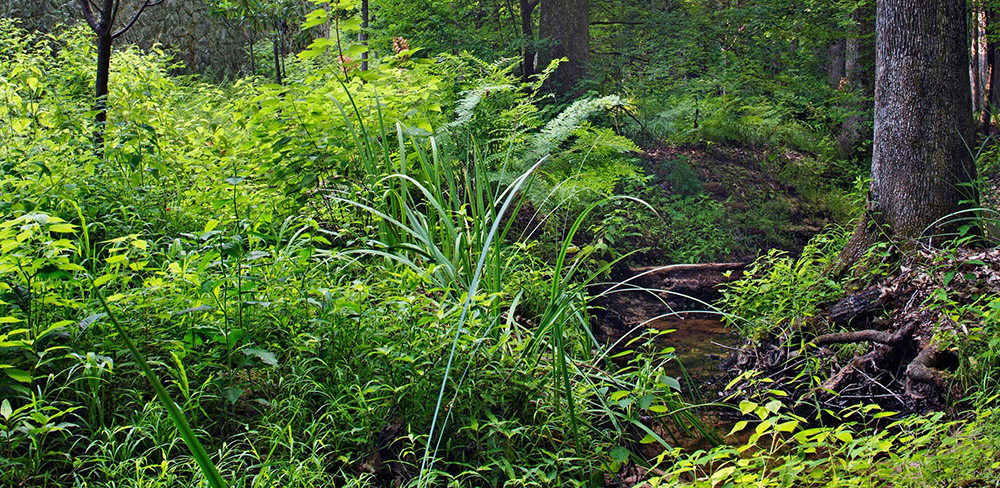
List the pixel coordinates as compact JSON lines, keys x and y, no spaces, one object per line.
{"x":392,"y":276}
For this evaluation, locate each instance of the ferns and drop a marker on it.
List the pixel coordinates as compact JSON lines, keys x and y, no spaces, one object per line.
{"x":584,"y":162}
{"x":467,"y":105}
{"x":565,"y":124}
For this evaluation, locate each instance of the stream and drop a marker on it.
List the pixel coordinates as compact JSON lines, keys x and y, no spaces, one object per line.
{"x":701,"y":344}
{"x":701,"y":341}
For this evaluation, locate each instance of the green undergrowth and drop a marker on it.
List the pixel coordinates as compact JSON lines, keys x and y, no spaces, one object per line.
{"x":324,"y":276}
{"x":367,"y":280}
{"x":795,"y":122}
{"x":785,"y":450}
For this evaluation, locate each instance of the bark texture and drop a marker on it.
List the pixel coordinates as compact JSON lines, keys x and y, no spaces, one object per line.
{"x":564,"y":30}
{"x":923,"y":122}
{"x":527,"y":8}
{"x":835,"y":62}
{"x":104,"y":43}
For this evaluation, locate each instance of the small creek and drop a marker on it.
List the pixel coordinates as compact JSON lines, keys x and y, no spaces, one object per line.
{"x":700,"y":345}
{"x":701,"y":341}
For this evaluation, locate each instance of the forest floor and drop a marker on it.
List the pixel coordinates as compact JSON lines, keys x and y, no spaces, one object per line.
{"x":763,"y":207}
{"x":770,"y":197}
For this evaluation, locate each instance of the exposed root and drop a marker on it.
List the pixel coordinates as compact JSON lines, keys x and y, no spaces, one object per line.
{"x":922,"y":368}
{"x":867,"y":335}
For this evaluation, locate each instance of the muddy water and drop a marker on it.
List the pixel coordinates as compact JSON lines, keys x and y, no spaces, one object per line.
{"x":700,"y":344}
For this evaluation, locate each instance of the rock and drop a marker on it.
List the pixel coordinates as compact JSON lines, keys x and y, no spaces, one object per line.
{"x":204,"y":43}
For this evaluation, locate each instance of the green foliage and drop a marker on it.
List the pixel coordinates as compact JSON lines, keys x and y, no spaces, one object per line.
{"x":783,"y":450}
{"x":334,"y":285}
{"x":463,"y":26}
{"x":777,"y":289}
{"x":796,"y":123}
{"x":238,"y":234}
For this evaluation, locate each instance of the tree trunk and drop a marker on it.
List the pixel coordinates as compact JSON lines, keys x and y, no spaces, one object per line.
{"x":253,"y":67}
{"x":993,"y":67}
{"x":976,"y":80}
{"x":528,"y":31}
{"x":104,"y":42}
{"x":922,"y":123}
{"x":564,"y":29}
{"x":103,"y":27}
{"x":363,"y":35}
{"x":857,"y":78}
{"x":835,"y":63}
{"x":277,"y":59}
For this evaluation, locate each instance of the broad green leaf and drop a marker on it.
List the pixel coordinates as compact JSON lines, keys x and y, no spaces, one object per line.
{"x":18,"y":375}
{"x":619,"y":454}
{"x":232,"y":394}
{"x":314,"y":18}
{"x":350,"y":25}
{"x":742,"y":424}
{"x":63,"y":228}
{"x":670,"y":382}
{"x":264,"y":356}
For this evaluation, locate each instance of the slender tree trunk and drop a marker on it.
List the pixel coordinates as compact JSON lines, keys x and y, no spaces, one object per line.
{"x":975,"y":80}
{"x":103,"y":26}
{"x":528,"y":31}
{"x":920,"y":159}
{"x":253,"y":67}
{"x":993,"y":65}
{"x":564,"y":27}
{"x":104,"y":43}
{"x":277,"y":59}
{"x":363,"y":35}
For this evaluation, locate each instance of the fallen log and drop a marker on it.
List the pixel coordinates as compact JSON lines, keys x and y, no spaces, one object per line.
{"x":858,"y":305}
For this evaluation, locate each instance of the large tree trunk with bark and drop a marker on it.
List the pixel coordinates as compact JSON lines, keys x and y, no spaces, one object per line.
{"x":923,"y":123}
{"x":835,"y":62}
{"x":564,"y":30}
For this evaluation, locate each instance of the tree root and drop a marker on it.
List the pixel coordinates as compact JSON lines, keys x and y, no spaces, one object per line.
{"x":898,"y":365}
{"x":867,"y":335}
{"x":922,"y":368}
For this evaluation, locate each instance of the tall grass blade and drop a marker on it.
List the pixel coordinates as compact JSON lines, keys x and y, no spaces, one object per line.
{"x":428,"y":462}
